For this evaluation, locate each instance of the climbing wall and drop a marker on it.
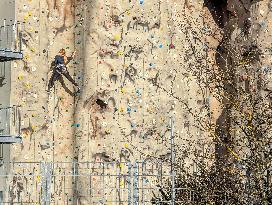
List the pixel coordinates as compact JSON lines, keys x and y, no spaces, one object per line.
{"x":135,"y":70}
{"x":135,"y":77}
{"x":47,"y":119}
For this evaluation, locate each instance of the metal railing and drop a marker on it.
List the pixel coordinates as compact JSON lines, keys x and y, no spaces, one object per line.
{"x":94,"y":182}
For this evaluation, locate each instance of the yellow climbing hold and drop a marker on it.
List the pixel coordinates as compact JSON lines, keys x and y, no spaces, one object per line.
{"x":26,"y":18}
{"x":26,"y":57}
{"x":30,"y":13}
{"x":126,"y":145}
{"x":34,"y":127}
{"x":20,"y":77}
{"x":28,"y":85}
{"x":120,"y":53}
{"x":38,"y":178}
{"x":121,"y":109}
{"x":121,"y":166}
{"x":123,"y":90}
{"x":32,"y":50}
{"x":117,"y":37}
{"x":31,"y":29}
{"x":128,"y":13}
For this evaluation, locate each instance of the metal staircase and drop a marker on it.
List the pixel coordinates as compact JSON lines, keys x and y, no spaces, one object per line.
{"x":10,"y":49}
{"x":10,"y":125}
{"x":11,"y":42}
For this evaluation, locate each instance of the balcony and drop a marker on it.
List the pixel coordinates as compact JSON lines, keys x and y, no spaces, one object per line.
{"x":10,"y":125}
{"x":11,"y":42}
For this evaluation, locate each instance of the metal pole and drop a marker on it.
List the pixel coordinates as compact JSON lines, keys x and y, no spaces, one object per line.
{"x":172,"y":162}
{"x":135,"y":184}
{"x":129,"y":184}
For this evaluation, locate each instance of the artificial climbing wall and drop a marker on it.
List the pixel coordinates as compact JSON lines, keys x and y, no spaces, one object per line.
{"x":132,"y":58}
{"x":135,"y":69}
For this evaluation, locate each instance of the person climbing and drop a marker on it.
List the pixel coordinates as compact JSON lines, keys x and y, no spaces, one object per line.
{"x":61,"y":60}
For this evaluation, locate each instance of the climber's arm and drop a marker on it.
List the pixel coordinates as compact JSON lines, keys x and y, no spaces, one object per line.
{"x":68,"y":59}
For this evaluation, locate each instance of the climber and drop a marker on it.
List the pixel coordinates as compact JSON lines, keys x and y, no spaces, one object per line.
{"x":61,"y":60}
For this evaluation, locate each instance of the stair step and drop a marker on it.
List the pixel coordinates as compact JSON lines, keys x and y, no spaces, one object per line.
{"x":8,"y":55}
{"x":6,"y":139}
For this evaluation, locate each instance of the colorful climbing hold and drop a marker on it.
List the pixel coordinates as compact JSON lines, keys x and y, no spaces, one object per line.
{"x":107,"y":131}
{"x":123,"y":90}
{"x":20,"y":77}
{"x":128,"y":109}
{"x":171,"y":46}
{"x":138,"y":92}
{"x":133,"y":125}
{"x":117,"y":37}
{"x":26,"y":18}
{"x":28,"y":85}
{"x":120,"y":53}
{"x":75,"y":125}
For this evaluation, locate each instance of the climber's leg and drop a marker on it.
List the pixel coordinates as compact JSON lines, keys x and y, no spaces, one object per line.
{"x":68,"y":76}
{"x":55,"y":76}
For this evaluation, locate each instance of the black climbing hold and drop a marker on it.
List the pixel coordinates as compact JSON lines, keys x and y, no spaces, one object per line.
{"x":101,"y":103}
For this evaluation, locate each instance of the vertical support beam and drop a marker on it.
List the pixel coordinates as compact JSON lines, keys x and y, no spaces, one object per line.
{"x":129,"y":183}
{"x":75,"y":184}
{"x":46,"y":172}
{"x":173,"y":191}
{"x":135,"y":184}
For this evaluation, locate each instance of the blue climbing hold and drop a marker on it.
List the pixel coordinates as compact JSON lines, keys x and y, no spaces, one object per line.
{"x":128,"y":109}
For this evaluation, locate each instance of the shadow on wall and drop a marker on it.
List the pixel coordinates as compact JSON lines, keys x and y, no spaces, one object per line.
{"x":229,"y":15}
{"x":218,"y":9}
{"x":83,"y":20}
